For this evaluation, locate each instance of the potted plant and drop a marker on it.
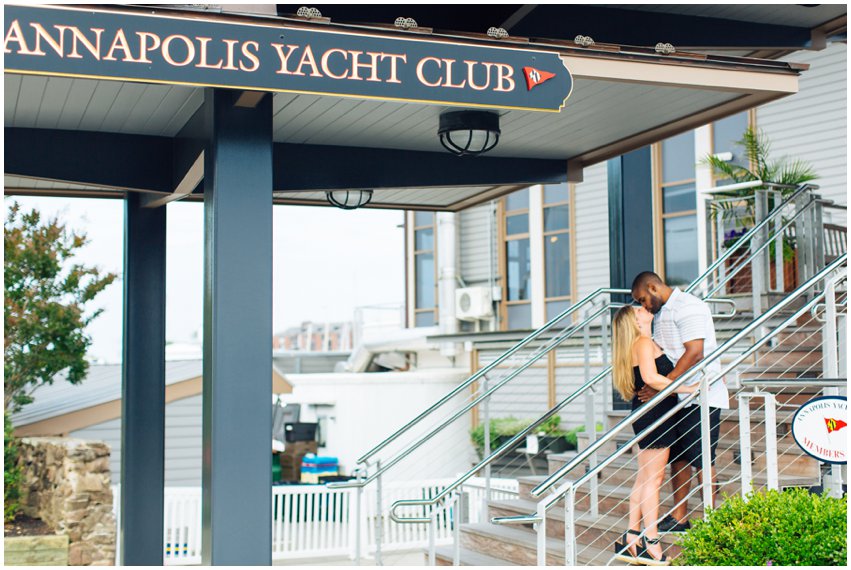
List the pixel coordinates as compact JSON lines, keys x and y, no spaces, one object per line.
{"x":742,"y":214}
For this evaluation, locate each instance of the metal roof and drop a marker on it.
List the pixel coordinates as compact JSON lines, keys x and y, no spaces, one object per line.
{"x":101,"y":385}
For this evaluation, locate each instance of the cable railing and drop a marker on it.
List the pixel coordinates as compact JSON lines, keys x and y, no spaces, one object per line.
{"x":540,"y":343}
{"x":567,"y":490}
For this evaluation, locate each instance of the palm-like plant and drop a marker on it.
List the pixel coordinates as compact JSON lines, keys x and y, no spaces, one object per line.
{"x":758,"y":166}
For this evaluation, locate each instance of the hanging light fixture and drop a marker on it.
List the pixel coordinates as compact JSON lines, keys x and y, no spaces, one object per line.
{"x":469,"y":133}
{"x":349,"y":199}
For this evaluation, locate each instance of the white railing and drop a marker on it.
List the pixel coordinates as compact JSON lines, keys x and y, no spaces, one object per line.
{"x":310,"y":521}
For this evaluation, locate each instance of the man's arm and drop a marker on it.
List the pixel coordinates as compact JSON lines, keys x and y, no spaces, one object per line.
{"x":692,"y":355}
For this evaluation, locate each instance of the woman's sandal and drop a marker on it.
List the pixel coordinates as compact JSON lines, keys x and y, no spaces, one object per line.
{"x":644,"y":557}
{"x":623,"y":548}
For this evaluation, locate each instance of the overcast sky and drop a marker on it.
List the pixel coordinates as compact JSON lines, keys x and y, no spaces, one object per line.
{"x":326,"y":262}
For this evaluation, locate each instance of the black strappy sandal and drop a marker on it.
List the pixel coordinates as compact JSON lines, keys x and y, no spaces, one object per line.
{"x":644,"y":556}
{"x":622,"y":548}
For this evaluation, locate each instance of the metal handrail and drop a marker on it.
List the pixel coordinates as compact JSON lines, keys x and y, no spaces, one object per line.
{"x":529,"y":338}
{"x":691,"y":373}
{"x":553,"y":343}
{"x":454,"y":392}
{"x":750,"y":233}
{"x":767,"y":243}
{"x":797,"y":383}
{"x":508,"y":445}
{"x":496,"y":454}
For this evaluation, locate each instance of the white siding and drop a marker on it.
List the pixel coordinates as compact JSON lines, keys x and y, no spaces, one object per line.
{"x":474,"y":237}
{"x":182,"y":447}
{"x":592,"y":230}
{"x":812,"y":124}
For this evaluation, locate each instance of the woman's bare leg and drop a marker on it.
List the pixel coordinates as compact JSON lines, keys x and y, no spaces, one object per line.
{"x":651,"y":464}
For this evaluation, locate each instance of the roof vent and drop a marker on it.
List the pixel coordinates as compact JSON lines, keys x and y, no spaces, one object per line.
{"x":305,"y":12}
{"x":584,"y":41}
{"x":665,"y":49}
{"x":405,"y":23}
{"x":498,"y":33}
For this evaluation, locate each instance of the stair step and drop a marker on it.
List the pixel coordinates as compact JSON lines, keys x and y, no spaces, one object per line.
{"x":445,"y":556}
{"x":519,"y":546}
{"x":599,"y":532}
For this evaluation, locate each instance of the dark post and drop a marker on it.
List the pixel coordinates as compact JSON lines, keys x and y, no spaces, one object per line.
{"x":630,"y":217}
{"x":237,"y":401}
{"x":143,"y":385}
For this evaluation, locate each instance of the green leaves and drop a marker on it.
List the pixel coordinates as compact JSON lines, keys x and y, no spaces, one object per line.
{"x":46,"y":304}
{"x":789,"y":528}
{"x":12,"y":475}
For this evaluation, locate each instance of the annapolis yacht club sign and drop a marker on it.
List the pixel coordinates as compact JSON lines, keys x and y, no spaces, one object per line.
{"x":164,"y":48}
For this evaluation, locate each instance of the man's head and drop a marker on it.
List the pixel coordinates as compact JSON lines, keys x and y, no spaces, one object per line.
{"x":650,"y":291}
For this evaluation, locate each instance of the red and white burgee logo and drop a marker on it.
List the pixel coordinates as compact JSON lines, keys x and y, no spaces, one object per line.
{"x":818,"y":428}
{"x":833,"y":424}
{"x":536,"y":77}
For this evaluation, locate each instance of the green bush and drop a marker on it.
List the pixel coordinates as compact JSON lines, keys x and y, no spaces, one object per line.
{"x":789,"y":528}
{"x":12,"y":475}
{"x":510,"y":426}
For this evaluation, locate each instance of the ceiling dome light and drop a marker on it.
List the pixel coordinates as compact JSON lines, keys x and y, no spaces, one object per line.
{"x":349,"y":199}
{"x":469,"y":133}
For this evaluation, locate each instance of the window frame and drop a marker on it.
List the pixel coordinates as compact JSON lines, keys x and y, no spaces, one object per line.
{"x":570,"y":203}
{"x":415,"y":252}
{"x":503,"y":239}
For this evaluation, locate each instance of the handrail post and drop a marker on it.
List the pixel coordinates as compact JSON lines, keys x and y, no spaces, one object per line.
{"x":379,"y":517}
{"x":745,"y":443}
{"x":590,"y":417}
{"x":771,"y":442}
{"x":779,"y":277}
{"x":358,"y":523}
{"x":541,"y":529}
{"x":487,"y":451}
{"x":432,"y":530}
{"x":705,"y":449}
{"x":570,"y":553}
{"x":757,"y":265}
{"x":830,"y":357}
{"x":456,"y":528}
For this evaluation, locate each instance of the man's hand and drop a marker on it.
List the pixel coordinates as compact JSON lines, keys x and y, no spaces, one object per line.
{"x":646,"y":393}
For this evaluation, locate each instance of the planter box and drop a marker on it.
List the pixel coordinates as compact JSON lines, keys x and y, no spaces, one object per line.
{"x":45,"y":550}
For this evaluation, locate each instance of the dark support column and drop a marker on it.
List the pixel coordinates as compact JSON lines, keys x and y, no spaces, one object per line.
{"x":143,"y":385}
{"x":630,"y":217}
{"x":237,"y":428}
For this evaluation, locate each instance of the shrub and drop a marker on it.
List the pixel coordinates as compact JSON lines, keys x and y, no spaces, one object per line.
{"x":789,"y":528}
{"x":510,"y":426}
{"x":12,"y":475}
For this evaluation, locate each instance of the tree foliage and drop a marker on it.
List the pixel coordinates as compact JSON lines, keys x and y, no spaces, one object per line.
{"x":46,"y":306}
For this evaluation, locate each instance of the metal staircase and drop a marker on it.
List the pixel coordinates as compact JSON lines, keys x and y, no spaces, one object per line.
{"x":595,"y":517}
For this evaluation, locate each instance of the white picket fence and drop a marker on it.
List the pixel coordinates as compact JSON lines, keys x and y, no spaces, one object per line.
{"x":311,"y":520}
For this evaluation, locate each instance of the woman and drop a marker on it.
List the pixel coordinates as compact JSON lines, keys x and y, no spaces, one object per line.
{"x":636,"y":361}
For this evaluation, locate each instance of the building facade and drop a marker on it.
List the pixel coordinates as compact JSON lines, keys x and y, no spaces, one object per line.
{"x":532,"y":253}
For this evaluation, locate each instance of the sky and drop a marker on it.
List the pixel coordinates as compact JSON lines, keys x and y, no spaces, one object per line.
{"x":326,"y":262}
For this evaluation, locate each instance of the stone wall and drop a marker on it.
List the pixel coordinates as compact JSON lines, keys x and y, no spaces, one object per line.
{"x":66,"y":484}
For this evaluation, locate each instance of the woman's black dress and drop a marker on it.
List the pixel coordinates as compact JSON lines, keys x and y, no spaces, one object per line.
{"x":664,"y":435}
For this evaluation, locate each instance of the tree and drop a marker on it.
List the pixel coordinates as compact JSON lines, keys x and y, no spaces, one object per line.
{"x":46,"y":307}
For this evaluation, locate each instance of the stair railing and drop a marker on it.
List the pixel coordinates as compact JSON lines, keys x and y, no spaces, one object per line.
{"x":567,"y":490}
{"x":364,"y":461}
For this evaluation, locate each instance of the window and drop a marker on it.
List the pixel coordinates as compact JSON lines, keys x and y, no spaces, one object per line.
{"x":677,"y":198}
{"x":558,"y":237}
{"x":726,"y":135}
{"x":425,"y":284}
{"x":518,"y":269}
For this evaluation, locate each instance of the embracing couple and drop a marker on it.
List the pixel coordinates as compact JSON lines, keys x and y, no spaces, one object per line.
{"x":652,"y":345}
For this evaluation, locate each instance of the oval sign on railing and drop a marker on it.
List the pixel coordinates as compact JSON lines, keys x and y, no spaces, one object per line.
{"x":820,"y":428}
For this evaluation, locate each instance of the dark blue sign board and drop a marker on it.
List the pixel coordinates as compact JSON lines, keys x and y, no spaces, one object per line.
{"x":157,"y":48}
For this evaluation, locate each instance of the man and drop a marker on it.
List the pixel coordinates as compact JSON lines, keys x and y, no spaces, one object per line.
{"x":683,"y":328}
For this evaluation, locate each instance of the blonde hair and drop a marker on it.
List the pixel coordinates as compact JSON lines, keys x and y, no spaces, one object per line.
{"x":624,"y":334}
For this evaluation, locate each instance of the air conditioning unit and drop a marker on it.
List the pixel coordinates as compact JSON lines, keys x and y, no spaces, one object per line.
{"x":473,"y":303}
